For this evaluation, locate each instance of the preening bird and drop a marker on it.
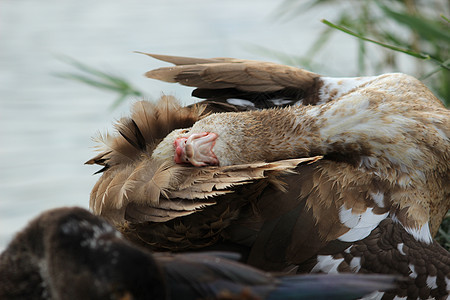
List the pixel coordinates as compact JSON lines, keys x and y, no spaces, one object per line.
{"x":68,"y":253}
{"x":296,"y":171}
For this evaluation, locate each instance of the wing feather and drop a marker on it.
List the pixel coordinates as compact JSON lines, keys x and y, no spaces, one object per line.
{"x":223,"y":78}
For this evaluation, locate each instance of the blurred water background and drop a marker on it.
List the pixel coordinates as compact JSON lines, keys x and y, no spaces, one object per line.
{"x":46,"y":122}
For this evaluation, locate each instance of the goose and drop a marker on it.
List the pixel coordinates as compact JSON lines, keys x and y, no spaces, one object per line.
{"x":68,"y":253}
{"x":296,"y":171}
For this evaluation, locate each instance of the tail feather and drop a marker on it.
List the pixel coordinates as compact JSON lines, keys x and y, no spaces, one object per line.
{"x":209,"y":275}
{"x":336,"y":286}
{"x":220,"y":79}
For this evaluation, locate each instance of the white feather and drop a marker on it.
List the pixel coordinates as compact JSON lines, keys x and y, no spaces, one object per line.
{"x":361,"y":225}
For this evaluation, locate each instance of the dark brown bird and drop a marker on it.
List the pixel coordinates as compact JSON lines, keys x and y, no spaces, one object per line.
{"x":370,"y":198}
{"x":68,"y":253}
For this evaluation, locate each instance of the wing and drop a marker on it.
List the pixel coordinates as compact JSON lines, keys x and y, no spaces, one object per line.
{"x":246,"y":84}
{"x":142,"y":196}
{"x":200,"y":276}
{"x":323,"y":210}
{"x":339,"y":225}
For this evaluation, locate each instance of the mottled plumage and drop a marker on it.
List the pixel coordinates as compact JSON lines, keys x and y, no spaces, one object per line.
{"x":68,"y":253}
{"x":381,"y":153}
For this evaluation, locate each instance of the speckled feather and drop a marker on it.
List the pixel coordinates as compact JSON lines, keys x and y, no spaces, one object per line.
{"x":385,"y":142}
{"x":68,"y":253}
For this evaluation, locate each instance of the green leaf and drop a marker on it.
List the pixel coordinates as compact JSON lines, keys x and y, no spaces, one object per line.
{"x":99,"y":79}
{"x":88,"y":81}
{"x":399,"y":49}
{"x":427,"y":29}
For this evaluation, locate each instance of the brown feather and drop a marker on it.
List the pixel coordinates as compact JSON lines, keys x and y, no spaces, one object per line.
{"x":180,"y":60}
{"x":148,"y":125}
{"x":249,"y":76}
{"x":385,"y":151}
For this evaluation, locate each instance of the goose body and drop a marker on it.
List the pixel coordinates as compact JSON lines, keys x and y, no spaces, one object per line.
{"x":68,"y":253}
{"x":303,"y":173}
